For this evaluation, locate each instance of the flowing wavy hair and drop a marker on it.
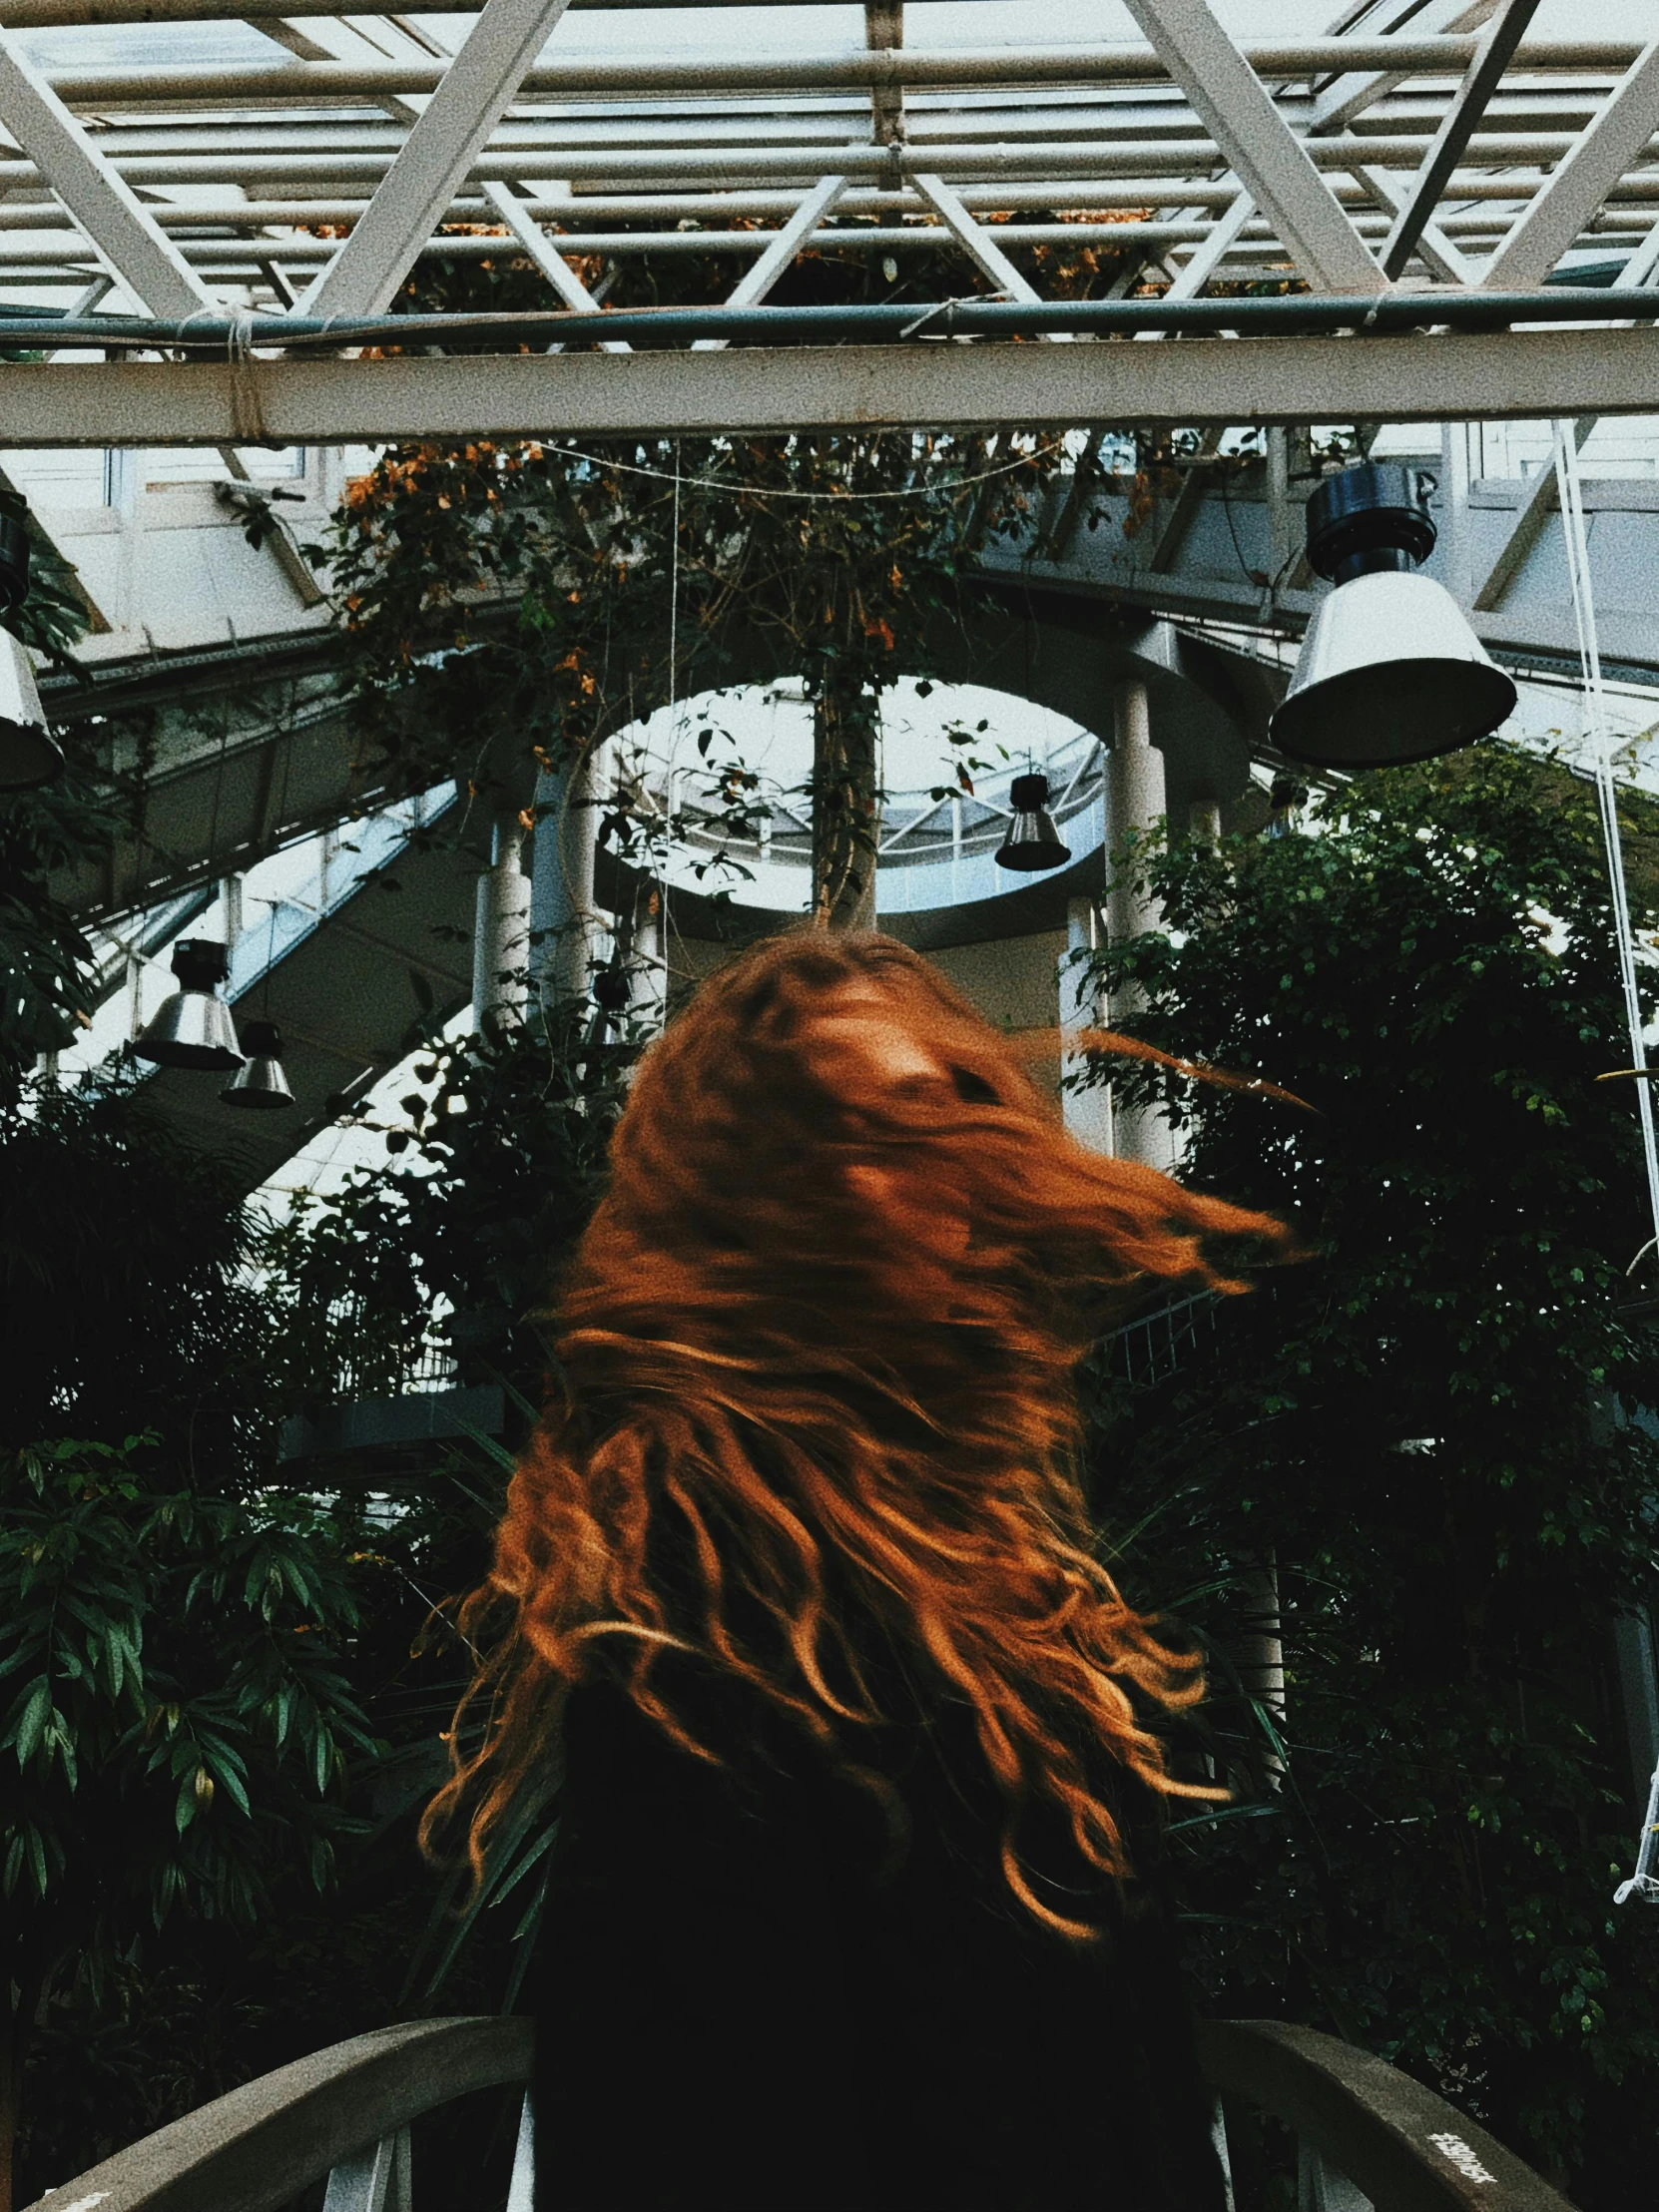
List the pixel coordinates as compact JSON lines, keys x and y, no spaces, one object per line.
{"x":819,"y":1345}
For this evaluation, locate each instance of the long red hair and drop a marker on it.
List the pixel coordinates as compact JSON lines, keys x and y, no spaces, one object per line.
{"x":820,"y":1338}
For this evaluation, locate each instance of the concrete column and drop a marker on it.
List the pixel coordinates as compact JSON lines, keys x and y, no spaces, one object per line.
{"x":1204,"y":821}
{"x":565,"y":923}
{"x":1088,"y":1113}
{"x":648,"y":968}
{"x":1457,"y":552}
{"x":1281,"y":526}
{"x":501,"y":931}
{"x":1135,"y":802}
{"x":1261,"y":1648}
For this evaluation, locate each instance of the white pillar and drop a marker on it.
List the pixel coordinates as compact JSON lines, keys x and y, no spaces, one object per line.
{"x":1261,"y":1648}
{"x":1457,"y":552}
{"x":1135,"y":803}
{"x":501,"y":931}
{"x":1204,"y":821}
{"x":1088,"y":1113}
{"x":648,"y":968}
{"x":565,"y":923}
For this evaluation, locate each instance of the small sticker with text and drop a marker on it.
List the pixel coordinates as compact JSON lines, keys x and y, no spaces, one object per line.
{"x":1457,"y":2152}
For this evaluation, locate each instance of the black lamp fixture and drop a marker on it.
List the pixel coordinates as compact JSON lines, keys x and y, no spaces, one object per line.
{"x":1390,"y":670}
{"x":613,"y":990}
{"x":192,"y":1028}
{"x":1033,"y":843}
{"x":259,"y":1083}
{"x":29,"y":755}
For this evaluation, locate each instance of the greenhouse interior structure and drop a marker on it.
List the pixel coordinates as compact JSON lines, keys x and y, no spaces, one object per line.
{"x":1123,"y":553}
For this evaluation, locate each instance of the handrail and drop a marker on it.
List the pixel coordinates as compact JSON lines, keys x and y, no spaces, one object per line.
{"x":1405,"y":2148}
{"x":258,"y":2147}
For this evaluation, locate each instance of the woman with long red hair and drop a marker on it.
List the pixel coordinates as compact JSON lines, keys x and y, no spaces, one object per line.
{"x":861,"y":1747}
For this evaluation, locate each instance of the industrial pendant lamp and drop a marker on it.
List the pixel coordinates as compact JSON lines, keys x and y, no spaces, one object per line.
{"x":260,"y":1082}
{"x":1033,"y":843}
{"x":192,"y":1028}
{"x":1390,"y":670}
{"x":28,"y":753}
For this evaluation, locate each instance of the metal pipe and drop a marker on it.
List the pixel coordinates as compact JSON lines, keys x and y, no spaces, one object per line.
{"x":565,"y":208}
{"x":852,"y":68}
{"x":227,"y":258}
{"x":806,"y":162}
{"x":1432,"y":307}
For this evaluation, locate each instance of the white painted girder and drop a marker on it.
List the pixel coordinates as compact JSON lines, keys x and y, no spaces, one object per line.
{"x":1259,"y":144}
{"x":475,"y":92}
{"x":1617,"y":140}
{"x":129,"y":241}
{"x":1491,"y":375}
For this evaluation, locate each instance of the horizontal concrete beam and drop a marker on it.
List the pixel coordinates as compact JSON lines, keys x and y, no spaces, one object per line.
{"x":1487,"y":376}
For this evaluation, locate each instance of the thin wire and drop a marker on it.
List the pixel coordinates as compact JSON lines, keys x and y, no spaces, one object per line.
{"x":664,"y":924}
{"x":1570,"y":487}
{"x":768,"y":492}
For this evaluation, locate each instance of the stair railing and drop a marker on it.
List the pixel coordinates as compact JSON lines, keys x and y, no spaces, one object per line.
{"x":1371,"y":2138}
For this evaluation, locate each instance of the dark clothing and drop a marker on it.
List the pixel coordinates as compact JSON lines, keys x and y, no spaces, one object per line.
{"x":757,"y":1993}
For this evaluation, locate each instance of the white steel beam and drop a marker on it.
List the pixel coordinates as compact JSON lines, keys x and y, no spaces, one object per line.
{"x":1350,"y":94}
{"x":1457,"y":126}
{"x":126,"y":236}
{"x":1238,"y":107}
{"x":415,"y":195}
{"x":1433,"y":246}
{"x":1538,"y":504}
{"x":1208,"y":256}
{"x":1616,"y":139}
{"x":755,"y":284}
{"x":978,"y":244}
{"x":1542,"y":493}
{"x":1515,"y":374}
{"x":547,"y":258}
{"x":804,"y":68}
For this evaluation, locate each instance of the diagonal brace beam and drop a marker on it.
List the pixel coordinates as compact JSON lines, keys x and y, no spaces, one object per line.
{"x":980,"y":243}
{"x":1615,"y":141}
{"x":1542,"y":493}
{"x":1259,"y":144}
{"x":1352,"y":94}
{"x":1209,"y":253}
{"x":1444,"y":260}
{"x":547,"y":258}
{"x":1457,"y":126}
{"x":129,"y":239}
{"x":415,"y":192}
{"x":758,"y":280}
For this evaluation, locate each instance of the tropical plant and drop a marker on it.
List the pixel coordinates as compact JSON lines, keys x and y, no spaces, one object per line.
{"x":1429,"y":1427}
{"x":173,"y":1706}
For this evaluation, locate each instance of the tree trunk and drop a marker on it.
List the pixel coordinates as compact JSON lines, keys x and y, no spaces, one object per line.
{"x":847,"y":807}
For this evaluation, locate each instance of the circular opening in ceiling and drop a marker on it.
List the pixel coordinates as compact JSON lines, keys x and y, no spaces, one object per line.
{"x":948,"y":753}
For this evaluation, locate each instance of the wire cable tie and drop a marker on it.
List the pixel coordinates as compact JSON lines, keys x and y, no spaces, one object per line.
{"x":947,"y":308}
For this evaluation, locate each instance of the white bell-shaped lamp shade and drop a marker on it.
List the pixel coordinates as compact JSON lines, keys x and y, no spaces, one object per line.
{"x":192,"y":1028}
{"x":1390,"y":672}
{"x":28,"y":753}
{"x":1389,"y":669}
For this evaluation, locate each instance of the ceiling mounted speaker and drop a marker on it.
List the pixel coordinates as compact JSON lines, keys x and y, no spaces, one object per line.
{"x":1390,"y":670}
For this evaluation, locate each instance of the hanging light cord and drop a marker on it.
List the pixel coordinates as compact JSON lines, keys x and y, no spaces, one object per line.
{"x":1644,"y":1883}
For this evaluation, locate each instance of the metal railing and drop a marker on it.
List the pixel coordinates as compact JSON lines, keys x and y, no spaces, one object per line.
{"x":1371,"y":2138}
